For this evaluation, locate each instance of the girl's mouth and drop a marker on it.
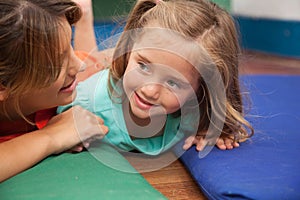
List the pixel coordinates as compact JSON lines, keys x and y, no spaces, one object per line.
{"x":69,"y":88}
{"x":141,"y":103}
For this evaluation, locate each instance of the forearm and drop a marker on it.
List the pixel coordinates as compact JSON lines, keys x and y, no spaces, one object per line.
{"x":84,"y":36}
{"x":62,"y":132}
{"x":23,"y":152}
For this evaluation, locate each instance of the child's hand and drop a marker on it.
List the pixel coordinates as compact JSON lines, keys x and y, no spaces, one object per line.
{"x":80,"y":147}
{"x":222,"y":143}
{"x":74,"y":126}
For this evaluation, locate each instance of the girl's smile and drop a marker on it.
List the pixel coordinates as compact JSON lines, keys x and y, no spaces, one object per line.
{"x":158,"y":82}
{"x":141,"y":103}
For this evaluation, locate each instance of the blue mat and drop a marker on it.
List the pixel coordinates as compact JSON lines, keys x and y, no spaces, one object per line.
{"x":268,"y":165}
{"x":265,"y":167}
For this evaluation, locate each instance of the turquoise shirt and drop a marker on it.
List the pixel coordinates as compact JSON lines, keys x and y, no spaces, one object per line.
{"x":92,"y":94}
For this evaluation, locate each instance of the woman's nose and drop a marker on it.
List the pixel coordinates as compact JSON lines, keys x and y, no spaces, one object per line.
{"x":76,"y":65}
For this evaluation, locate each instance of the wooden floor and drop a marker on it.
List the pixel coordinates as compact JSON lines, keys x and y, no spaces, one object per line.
{"x":259,"y":63}
{"x":174,"y":181}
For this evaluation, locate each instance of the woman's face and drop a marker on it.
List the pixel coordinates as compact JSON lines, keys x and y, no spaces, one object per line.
{"x":62,"y":91}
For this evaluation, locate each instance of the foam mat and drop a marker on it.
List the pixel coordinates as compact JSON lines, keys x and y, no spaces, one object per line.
{"x":79,"y":176}
{"x":268,"y":165}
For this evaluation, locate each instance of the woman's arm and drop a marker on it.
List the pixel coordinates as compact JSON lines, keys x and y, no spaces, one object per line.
{"x":62,"y":132}
{"x":84,"y":36}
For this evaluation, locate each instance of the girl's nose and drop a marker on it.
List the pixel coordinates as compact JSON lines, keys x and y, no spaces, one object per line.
{"x":151,"y":91}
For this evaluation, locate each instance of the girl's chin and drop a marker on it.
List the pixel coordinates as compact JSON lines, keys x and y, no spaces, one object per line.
{"x":141,"y":115}
{"x":145,"y":116}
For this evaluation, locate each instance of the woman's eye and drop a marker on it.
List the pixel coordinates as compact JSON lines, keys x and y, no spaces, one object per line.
{"x":173,"y":84}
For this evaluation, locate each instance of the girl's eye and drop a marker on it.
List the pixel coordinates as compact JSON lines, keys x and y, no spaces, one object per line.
{"x":144,"y":67}
{"x":173,"y":84}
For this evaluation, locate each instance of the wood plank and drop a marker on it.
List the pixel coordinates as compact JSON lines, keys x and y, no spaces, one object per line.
{"x":173,"y":180}
{"x":260,"y":63}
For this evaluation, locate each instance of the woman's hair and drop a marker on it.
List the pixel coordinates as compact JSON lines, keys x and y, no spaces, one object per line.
{"x":31,"y":43}
{"x":215,"y":30}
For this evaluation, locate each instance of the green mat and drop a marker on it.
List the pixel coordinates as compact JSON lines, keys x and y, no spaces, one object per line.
{"x":79,"y":176}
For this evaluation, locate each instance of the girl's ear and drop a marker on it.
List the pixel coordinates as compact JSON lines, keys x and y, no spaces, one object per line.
{"x":3,"y":93}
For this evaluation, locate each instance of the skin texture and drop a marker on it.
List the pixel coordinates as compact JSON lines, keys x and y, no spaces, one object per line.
{"x":159,"y":98}
{"x":145,"y":98}
{"x":85,"y":39}
{"x":163,"y":92}
{"x":62,"y":132}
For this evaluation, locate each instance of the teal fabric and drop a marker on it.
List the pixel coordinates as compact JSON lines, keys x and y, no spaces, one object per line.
{"x":79,"y":176}
{"x":92,"y":94}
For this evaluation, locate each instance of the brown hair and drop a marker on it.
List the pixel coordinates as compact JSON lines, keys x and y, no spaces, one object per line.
{"x":208,"y":24}
{"x":30,"y":43}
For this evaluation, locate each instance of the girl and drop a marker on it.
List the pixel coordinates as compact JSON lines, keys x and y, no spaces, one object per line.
{"x":174,"y":74}
{"x":38,"y":70}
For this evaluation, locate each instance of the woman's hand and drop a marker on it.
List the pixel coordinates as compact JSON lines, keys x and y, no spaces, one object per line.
{"x":73,"y":127}
{"x":63,"y":132}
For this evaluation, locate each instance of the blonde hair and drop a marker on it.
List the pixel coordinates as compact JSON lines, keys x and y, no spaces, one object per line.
{"x":208,"y":24}
{"x":31,"y":43}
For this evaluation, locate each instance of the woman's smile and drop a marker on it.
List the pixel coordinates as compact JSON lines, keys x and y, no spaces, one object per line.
{"x":70,"y":87}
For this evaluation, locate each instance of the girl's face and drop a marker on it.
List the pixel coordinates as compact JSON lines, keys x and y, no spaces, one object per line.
{"x":158,"y":82}
{"x":62,"y":91}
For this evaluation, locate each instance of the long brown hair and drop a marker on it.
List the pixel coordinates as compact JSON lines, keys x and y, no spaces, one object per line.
{"x":212,"y":27}
{"x":30,"y":43}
